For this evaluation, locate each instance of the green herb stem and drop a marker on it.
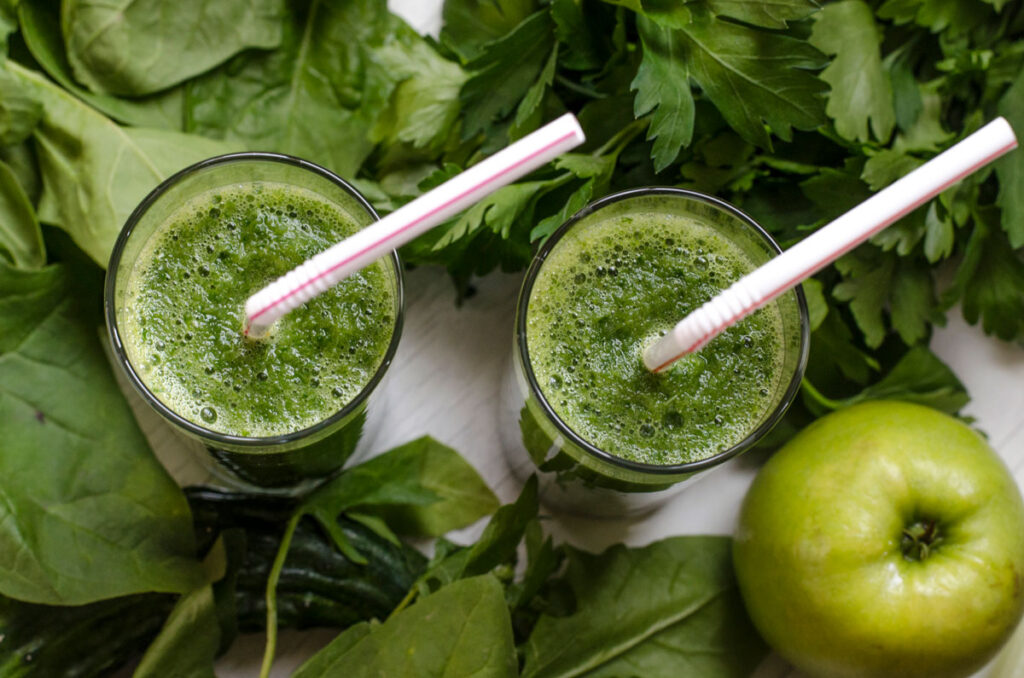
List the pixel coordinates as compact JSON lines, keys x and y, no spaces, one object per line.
{"x":275,"y":575}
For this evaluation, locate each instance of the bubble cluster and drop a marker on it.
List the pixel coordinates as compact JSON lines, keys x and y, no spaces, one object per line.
{"x":609,"y":289}
{"x":186,"y":292}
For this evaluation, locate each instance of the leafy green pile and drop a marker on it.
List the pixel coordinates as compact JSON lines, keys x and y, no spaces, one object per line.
{"x":792,"y":111}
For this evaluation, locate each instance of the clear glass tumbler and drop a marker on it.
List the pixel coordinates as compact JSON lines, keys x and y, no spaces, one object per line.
{"x":296,"y":460}
{"x":579,"y":477}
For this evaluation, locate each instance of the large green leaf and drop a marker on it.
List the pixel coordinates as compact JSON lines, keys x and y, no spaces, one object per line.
{"x":668,"y":609}
{"x":861,"y":90}
{"x":86,"y":511}
{"x":21,"y":241}
{"x":137,"y":47}
{"x":462,"y":630}
{"x":94,"y":171}
{"x":317,"y":96}
{"x":40,"y":27}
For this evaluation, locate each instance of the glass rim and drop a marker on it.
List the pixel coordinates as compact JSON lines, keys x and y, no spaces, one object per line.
{"x":565,"y":430}
{"x":208,"y":435}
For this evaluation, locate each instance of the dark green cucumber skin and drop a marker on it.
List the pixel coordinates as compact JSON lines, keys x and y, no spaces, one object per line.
{"x":46,"y":641}
{"x":318,"y":587}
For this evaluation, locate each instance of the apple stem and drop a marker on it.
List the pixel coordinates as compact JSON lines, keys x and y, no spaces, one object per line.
{"x":919,"y":539}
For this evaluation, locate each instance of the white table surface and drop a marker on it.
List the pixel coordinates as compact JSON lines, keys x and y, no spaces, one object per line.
{"x":444,"y":382}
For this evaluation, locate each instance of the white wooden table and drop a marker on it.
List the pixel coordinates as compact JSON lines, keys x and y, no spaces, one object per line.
{"x":445,"y":379}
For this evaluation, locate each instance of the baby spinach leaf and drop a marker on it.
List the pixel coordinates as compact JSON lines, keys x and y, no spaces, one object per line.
{"x":647,"y":612}
{"x":137,"y":47}
{"x":496,"y":546}
{"x":19,"y":110}
{"x":94,"y":171}
{"x":460,"y":496}
{"x":315,"y":96}
{"x":427,"y":487}
{"x":86,"y":511}
{"x":40,"y":27}
{"x":8,"y":22}
{"x":662,"y":85}
{"x":188,"y":642}
{"x":21,"y":241}
{"x":462,"y":630}
{"x":861,"y":91}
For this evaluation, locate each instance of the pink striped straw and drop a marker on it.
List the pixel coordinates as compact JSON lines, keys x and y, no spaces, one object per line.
{"x":326,"y":269}
{"x":827,"y":244}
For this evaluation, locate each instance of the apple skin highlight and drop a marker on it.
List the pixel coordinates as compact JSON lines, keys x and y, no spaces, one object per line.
{"x":885,"y":540}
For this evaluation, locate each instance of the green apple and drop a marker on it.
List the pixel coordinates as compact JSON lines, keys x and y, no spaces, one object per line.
{"x":886,"y":539}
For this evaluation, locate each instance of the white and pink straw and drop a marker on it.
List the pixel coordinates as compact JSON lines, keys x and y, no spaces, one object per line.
{"x":827,"y":244}
{"x":326,"y":269}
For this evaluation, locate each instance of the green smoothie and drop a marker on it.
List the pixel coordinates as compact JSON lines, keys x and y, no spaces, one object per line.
{"x":186,"y":292}
{"x":609,"y":289}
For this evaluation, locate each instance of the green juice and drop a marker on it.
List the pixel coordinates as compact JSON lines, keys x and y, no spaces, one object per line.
{"x":185,"y":295}
{"x":610,"y":288}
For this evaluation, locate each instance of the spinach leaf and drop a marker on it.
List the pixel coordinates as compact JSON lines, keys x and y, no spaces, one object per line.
{"x":192,"y":635}
{"x":460,"y":497}
{"x":861,"y":90}
{"x":21,"y":241}
{"x":139,"y":47}
{"x":21,"y":160}
{"x":462,"y":630}
{"x":188,"y":642}
{"x":496,"y":546}
{"x":646,"y":612}
{"x":95,"y":172}
{"x":317,"y":96}
{"x":40,"y":28}
{"x":8,"y":22}
{"x":86,"y":511}
{"x":423,"y":487}
{"x":19,"y":110}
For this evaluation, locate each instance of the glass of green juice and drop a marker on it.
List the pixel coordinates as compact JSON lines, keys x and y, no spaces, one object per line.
{"x":281,"y":412}
{"x":607,"y":437}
